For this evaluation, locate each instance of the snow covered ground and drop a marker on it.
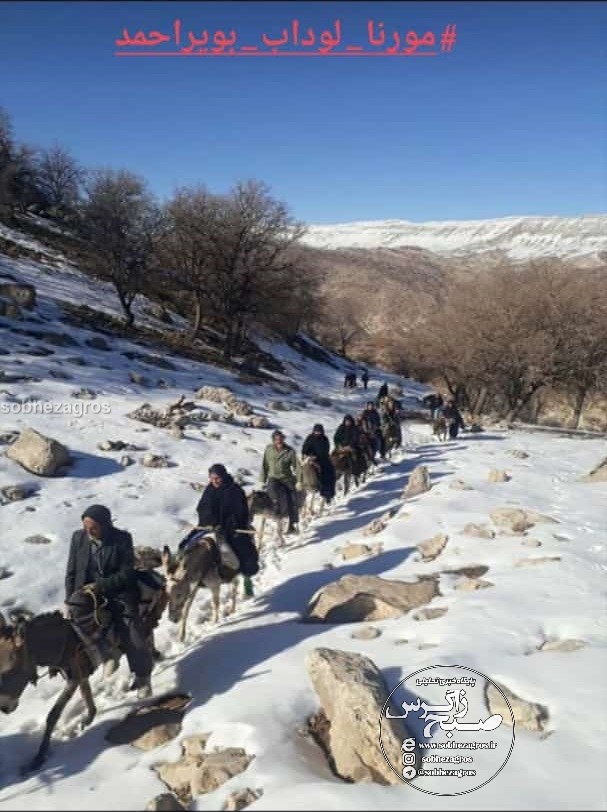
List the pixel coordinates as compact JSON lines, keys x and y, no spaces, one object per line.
{"x":247,"y":675}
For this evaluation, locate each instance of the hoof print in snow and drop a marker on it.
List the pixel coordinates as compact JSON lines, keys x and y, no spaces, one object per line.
{"x":528,"y":715}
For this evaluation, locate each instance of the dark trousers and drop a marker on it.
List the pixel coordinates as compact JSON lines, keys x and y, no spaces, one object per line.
{"x":132,"y":640}
{"x":281,"y":494}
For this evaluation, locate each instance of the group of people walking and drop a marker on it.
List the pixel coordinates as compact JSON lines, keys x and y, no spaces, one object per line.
{"x":350,"y":379}
{"x":447,"y":410}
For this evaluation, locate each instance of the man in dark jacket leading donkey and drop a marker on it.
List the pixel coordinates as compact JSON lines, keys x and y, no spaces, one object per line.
{"x":101,"y":559}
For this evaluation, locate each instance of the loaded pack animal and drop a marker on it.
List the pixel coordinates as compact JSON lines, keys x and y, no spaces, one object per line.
{"x":344,"y":462}
{"x":204,"y":560}
{"x":49,"y":640}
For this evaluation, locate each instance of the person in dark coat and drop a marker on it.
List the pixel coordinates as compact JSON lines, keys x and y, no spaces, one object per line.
{"x":365,"y":378}
{"x":453,"y":417}
{"x":371,"y":422}
{"x":223,"y":503}
{"x":383,"y":393}
{"x":316,"y":445}
{"x":102,"y":557}
{"x":347,"y":433}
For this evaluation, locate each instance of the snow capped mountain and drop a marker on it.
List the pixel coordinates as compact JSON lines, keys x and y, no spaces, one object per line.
{"x":520,"y":238}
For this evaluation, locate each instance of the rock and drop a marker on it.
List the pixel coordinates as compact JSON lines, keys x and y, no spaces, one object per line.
{"x":319,"y":400}
{"x":165,"y":802}
{"x":430,"y":612}
{"x":215,"y":768}
{"x":150,"y":726}
{"x":115,"y":445}
{"x":39,"y":351}
{"x":98,"y":343}
{"x":352,"y":695}
{"x":529,"y":715}
{"x":258,"y":422}
{"x":38,"y":454}
{"x":37,"y":539}
{"x":419,"y":482}
{"x":513,"y":519}
{"x":565,"y":646}
{"x":498,"y":476}
{"x":433,"y":547}
{"x":125,"y":461}
{"x":20,"y":293}
{"x":240,"y":407}
{"x":84,"y":394}
{"x":278,"y":406}
{"x":10,"y":309}
{"x":5,"y":573}
{"x":76,"y":359}
{"x":8,"y":437}
{"x":531,"y":543}
{"x":367,"y":633}
{"x":138,"y":378}
{"x":475,"y":428}
{"x":177,"y":775}
{"x":60,"y":375}
{"x":539,"y":518}
{"x":14,"y":493}
{"x":240,"y":799}
{"x":471,"y":584}
{"x":155,"y":461}
{"x":177,"y":433}
{"x":460,"y":485}
{"x":470,"y":571}
{"x":58,"y":339}
{"x":216,"y":394}
{"x":481,"y":531}
{"x":520,"y":455}
{"x":162,"y":384}
{"x":598,"y":474}
{"x":355,"y":551}
{"x":374,"y":527}
{"x":194,"y":746}
{"x":355,"y":598}
{"x":531,"y":562}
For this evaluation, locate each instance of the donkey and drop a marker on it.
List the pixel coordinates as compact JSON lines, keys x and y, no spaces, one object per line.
{"x":440,"y":428}
{"x":199,"y":565}
{"x":343,"y":460}
{"x":260,"y":504}
{"x":310,"y":487}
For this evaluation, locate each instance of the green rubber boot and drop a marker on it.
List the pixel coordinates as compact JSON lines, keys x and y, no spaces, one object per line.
{"x":248,"y":586}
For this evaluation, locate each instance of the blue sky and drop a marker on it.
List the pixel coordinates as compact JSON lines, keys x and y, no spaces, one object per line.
{"x":512,"y":121}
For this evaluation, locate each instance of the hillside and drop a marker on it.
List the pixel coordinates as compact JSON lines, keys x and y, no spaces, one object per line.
{"x":536,"y":627}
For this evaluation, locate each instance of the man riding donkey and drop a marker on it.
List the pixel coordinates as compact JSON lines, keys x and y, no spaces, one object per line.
{"x":280,"y":472}
{"x":371,"y":424}
{"x":101,"y":566}
{"x":390,"y":425}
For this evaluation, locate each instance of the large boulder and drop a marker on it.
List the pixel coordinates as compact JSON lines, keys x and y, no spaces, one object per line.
{"x":39,"y":454}
{"x":513,"y":519}
{"x":352,"y":694}
{"x":431,"y":548}
{"x":355,"y":598}
{"x":529,"y":715}
{"x":419,"y":482}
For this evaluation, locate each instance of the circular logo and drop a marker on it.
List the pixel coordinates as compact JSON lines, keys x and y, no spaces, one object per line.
{"x":438,"y":734}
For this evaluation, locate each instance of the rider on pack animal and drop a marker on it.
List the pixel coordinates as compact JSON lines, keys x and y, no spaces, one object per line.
{"x":316,"y":445}
{"x":101,"y":558}
{"x":280,"y":471}
{"x":224,"y":504}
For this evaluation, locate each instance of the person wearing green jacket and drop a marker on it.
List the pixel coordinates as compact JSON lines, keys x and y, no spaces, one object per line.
{"x":280,"y":472}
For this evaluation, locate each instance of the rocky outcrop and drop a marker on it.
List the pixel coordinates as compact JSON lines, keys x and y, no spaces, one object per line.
{"x":356,"y":598}
{"x":38,"y":454}
{"x":419,"y":482}
{"x":352,"y":694}
{"x":152,"y":726}
{"x":529,"y":715}
{"x":431,"y":548}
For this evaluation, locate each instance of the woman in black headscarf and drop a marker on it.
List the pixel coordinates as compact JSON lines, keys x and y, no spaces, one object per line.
{"x":317,"y":445}
{"x":224,"y":503}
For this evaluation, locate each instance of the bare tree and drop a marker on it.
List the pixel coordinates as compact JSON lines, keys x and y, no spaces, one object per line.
{"x":60,"y":179}
{"x":118,"y":218}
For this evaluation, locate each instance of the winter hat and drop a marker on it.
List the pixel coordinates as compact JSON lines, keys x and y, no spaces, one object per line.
{"x":349,"y":417}
{"x":318,"y":427}
{"x":99,"y":514}
{"x":219,"y":470}
{"x":277,"y":433}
